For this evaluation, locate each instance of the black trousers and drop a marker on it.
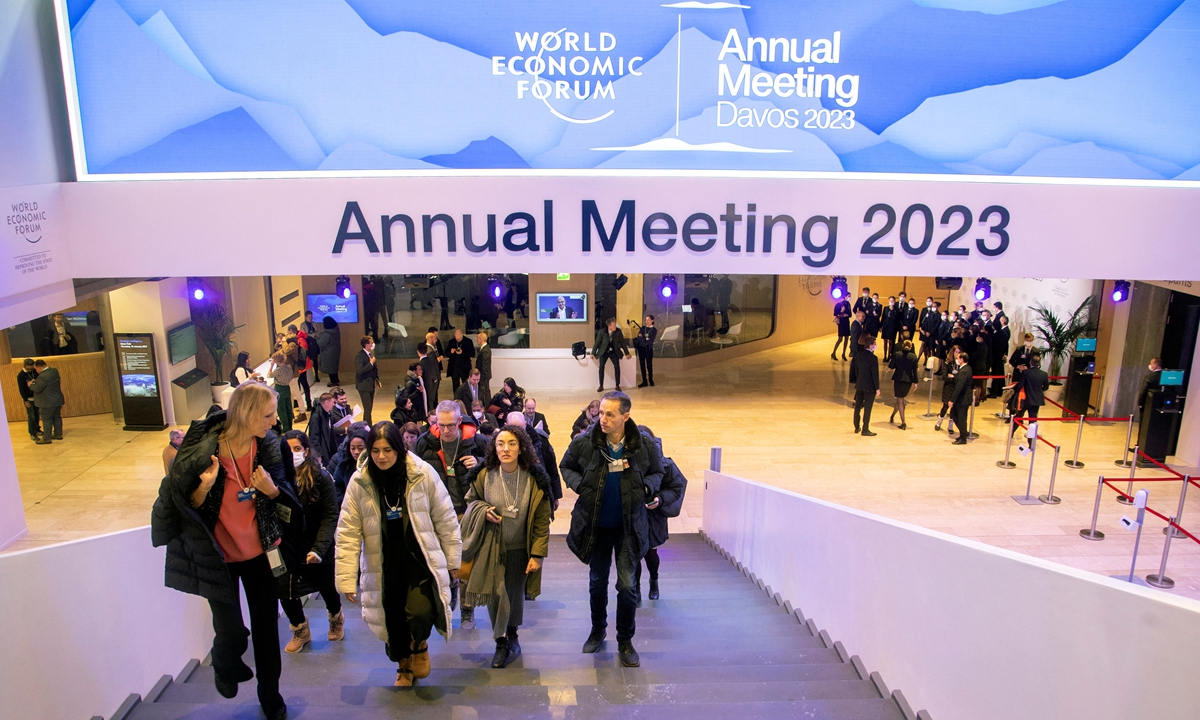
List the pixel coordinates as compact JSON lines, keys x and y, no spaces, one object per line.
{"x":646,"y":362}
{"x":302,"y":381}
{"x":368,"y":402}
{"x":958,"y":414}
{"x":1032,"y":410}
{"x":321,"y":577}
{"x":334,"y":380}
{"x":33,"y":419}
{"x":51,"y":422}
{"x":863,"y":402}
{"x":607,"y":543}
{"x":652,"y":564}
{"x":616,"y":361}
{"x":230,"y":642}
{"x":458,"y":377}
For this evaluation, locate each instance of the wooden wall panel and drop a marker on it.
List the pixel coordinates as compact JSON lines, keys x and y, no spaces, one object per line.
{"x":84,"y":386}
{"x":556,"y":335}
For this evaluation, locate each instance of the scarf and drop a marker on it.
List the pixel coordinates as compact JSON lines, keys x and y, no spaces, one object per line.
{"x":481,"y":543}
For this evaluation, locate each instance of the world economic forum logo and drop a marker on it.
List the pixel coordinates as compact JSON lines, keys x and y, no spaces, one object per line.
{"x":564,"y":67}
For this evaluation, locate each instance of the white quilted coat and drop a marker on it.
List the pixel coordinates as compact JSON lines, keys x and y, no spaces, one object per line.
{"x":359,"y":546}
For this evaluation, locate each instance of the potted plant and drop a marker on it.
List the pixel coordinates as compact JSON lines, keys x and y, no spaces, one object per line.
{"x":1058,"y":335}
{"x":216,"y":331}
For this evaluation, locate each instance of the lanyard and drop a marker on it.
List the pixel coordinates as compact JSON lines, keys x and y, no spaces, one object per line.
{"x":452,"y":458}
{"x":610,"y":458}
{"x":237,"y":471}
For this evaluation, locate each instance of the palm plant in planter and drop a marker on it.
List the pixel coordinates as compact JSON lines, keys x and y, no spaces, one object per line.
{"x":216,"y":331}
{"x":1058,"y":334}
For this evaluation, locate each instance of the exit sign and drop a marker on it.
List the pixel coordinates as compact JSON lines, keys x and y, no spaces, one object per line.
{"x":564,"y":276}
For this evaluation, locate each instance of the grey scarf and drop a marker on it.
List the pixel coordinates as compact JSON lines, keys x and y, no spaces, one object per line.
{"x":481,"y":542}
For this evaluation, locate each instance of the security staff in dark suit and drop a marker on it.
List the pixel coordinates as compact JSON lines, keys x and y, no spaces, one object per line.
{"x":961,"y":399}
{"x":26,"y":376}
{"x":889,"y":324}
{"x":864,"y":302}
{"x":1034,"y":382}
{"x":873,"y":313}
{"x":841,"y":317}
{"x":864,"y":373}
{"x":908,"y":321}
{"x":366,"y":376}
{"x":610,"y":345}
{"x":1000,"y":339}
{"x":431,"y":376}
{"x":483,"y":363}
{"x":1153,"y":381}
{"x":1019,"y":360}
{"x":928,"y":324}
{"x":857,"y":331}
{"x":643,"y":344}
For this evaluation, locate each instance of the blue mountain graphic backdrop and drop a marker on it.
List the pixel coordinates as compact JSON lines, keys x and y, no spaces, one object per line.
{"x":1074,"y":88}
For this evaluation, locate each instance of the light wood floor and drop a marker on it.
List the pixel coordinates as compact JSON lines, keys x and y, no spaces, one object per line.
{"x":781,"y":417}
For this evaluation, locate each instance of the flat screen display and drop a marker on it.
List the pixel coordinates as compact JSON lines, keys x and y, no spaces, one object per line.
{"x":562,"y":307}
{"x":344,"y":310}
{"x":181,"y":343}
{"x":135,"y":355}
{"x":977,"y":87}
{"x":1171,"y":377}
{"x":1085,"y":345}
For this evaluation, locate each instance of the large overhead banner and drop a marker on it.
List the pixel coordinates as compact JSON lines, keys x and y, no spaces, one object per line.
{"x":1068,"y":88}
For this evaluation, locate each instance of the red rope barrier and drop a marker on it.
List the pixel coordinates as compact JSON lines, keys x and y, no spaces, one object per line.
{"x":1104,"y":419}
{"x":1164,"y":467}
{"x":1156,"y":514}
{"x":1074,"y":414}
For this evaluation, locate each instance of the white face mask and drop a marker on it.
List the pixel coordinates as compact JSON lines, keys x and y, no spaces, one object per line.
{"x":478,"y":414}
{"x":298,"y":459}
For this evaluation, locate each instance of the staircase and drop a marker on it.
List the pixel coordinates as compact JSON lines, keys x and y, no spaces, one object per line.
{"x":714,"y":646}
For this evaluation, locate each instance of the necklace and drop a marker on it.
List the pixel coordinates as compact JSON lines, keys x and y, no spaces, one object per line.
{"x":508,"y":496}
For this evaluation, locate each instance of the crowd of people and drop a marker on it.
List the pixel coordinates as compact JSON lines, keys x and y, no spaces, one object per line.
{"x":960,"y":346}
{"x":409,"y":518}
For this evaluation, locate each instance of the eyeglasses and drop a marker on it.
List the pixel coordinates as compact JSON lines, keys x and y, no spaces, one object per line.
{"x":446,"y":426}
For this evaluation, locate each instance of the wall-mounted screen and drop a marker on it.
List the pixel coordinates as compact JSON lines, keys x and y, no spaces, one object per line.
{"x":1085,"y":345}
{"x":978,"y":87}
{"x":344,"y":310}
{"x":181,"y":343}
{"x":562,"y":307}
{"x":1171,"y":377}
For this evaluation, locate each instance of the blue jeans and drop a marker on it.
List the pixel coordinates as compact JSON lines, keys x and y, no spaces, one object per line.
{"x":606,"y":543}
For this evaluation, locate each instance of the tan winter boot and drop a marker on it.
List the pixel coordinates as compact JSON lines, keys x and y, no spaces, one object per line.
{"x":300,"y":637}
{"x":337,"y":629}
{"x":420,"y":660}
{"x":404,"y":674}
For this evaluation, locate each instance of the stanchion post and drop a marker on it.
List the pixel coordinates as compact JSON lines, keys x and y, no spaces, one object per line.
{"x":1027,"y":498}
{"x":1171,"y":531}
{"x":714,"y":460}
{"x":1092,"y":533}
{"x":1160,"y":579}
{"x":1074,"y":463}
{"x":1141,"y":501}
{"x":1124,"y":461}
{"x":1127,"y":498}
{"x":1049,"y":498}
{"x":971,"y":434}
{"x":929,"y":414}
{"x":1006,"y":463}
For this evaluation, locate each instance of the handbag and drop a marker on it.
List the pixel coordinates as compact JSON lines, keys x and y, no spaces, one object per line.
{"x":464,"y":571}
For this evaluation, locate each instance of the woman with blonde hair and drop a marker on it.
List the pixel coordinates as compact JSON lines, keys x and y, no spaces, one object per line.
{"x":398,"y":546}
{"x":219,"y":514}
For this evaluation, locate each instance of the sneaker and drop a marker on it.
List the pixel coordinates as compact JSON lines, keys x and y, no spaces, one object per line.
{"x":419,"y":662}
{"x":629,"y":656}
{"x":301,"y":636}
{"x":337,"y":627}
{"x":468,"y":619}
{"x":594,"y":641}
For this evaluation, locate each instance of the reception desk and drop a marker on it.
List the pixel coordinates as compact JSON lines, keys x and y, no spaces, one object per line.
{"x":555,"y":368}
{"x":84,"y":385}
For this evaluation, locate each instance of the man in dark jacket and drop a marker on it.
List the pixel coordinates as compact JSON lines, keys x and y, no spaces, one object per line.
{"x":1034,"y":383}
{"x":1153,"y":381}
{"x":27,"y":375}
{"x":48,"y":397}
{"x":483,"y":363}
{"x":864,"y":373}
{"x":857,"y":328}
{"x":613,"y":469}
{"x":1001,"y":336}
{"x":470,"y":391}
{"x":460,"y":351}
{"x":321,"y":434}
{"x":1019,"y":360}
{"x":961,"y":399}
{"x":610,"y":345}
{"x":196,"y":565}
{"x":431,"y":376}
{"x":366,"y":376}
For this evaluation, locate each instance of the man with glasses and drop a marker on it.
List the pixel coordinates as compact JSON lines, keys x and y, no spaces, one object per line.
{"x":454,"y":448}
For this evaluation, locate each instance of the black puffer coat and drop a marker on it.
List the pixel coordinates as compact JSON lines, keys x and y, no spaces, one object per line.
{"x":195,"y":563}
{"x":320,"y":526}
{"x":670,"y":493}
{"x":429,"y":449}
{"x":585,"y":471}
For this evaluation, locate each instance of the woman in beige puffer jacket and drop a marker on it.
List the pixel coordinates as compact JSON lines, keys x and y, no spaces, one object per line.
{"x":426,"y":508}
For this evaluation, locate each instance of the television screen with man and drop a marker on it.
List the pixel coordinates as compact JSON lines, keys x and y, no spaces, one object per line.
{"x":562,"y":307}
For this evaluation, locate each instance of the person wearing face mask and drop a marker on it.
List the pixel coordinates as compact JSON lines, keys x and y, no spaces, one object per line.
{"x":398,"y":550}
{"x":908,"y":321}
{"x":586,"y":419}
{"x":345,"y":460}
{"x":535,"y":419}
{"x":481,"y":415}
{"x":863,"y":302}
{"x":864,"y":373}
{"x":218,"y":513}
{"x":366,"y":376}
{"x":314,"y":549}
{"x":928,"y":324}
{"x":873,"y":315}
{"x":506,"y":533}
{"x":1000,"y":340}
{"x":889,"y":325}
{"x":945,"y":333}
{"x":1019,"y":360}
{"x":841,"y":317}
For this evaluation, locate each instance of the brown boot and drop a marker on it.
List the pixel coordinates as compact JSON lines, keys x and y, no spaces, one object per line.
{"x":420,"y":660}
{"x":300,"y":637}
{"x":404,"y":674}
{"x":337,"y":629}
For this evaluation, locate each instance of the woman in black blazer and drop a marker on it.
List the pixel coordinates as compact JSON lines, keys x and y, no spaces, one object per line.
{"x":904,"y":363}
